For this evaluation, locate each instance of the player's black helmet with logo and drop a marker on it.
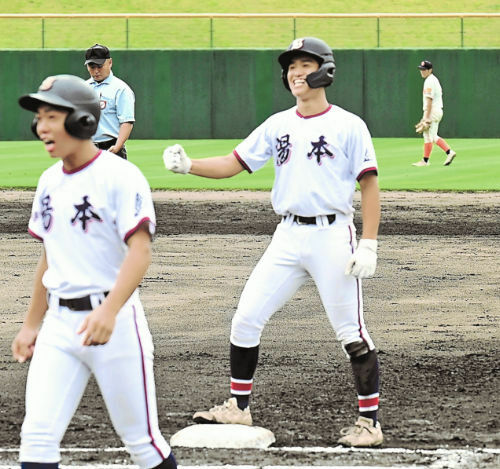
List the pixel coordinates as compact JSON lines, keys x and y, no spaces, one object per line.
{"x":317,"y":49}
{"x":73,"y":94}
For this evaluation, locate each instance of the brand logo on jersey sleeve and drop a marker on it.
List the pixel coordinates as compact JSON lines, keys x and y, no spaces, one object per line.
{"x":85,"y":214}
{"x":321,"y":149}
{"x":368,"y":156}
{"x":284,"y":149}
{"x":138,"y":204}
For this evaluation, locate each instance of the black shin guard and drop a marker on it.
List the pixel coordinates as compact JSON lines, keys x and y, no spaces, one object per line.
{"x":243,"y":361}
{"x":243,"y":365}
{"x":366,"y":376}
{"x":365,"y":369}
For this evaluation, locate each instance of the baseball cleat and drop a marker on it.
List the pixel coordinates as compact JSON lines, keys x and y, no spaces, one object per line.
{"x":229,"y":412}
{"x":450,"y":158}
{"x":421,"y":163}
{"x":362,"y":435}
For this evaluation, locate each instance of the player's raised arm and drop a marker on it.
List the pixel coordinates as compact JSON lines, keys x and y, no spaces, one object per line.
{"x":216,"y":167}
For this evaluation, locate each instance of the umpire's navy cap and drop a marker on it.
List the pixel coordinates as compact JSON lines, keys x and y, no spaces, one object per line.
{"x":97,"y":54}
{"x":425,"y":65}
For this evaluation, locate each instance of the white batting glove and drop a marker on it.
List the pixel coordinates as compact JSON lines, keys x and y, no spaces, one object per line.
{"x":176,"y":160}
{"x":363,"y":262}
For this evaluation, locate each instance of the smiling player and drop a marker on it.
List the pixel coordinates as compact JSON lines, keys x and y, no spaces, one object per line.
{"x":319,"y":152}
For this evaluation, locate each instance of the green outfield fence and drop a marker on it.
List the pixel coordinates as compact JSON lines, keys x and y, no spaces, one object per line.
{"x":225,"y":94}
{"x":211,"y":30}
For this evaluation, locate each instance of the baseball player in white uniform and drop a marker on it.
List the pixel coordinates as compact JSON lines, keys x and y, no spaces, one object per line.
{"x":319,"y":152}
{"x":94,"y":214}
{"x":433,"y":113}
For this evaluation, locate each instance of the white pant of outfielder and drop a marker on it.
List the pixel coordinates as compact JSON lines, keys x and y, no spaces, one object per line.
{"x":431,"y":134}
{"x":296,"y":252}
{"x":123,"y":368}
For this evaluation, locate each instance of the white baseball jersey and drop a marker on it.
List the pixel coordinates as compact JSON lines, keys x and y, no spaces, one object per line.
{"x":85,"y":218}
{"x":433,"y":90}
{"x":317,"y":159}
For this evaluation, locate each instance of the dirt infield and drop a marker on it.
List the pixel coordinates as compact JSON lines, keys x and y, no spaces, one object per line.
{"x":432,"y":309}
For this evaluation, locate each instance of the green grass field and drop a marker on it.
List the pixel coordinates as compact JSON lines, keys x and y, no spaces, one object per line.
{"x":476,"y":167}
{"x":247,"y":33}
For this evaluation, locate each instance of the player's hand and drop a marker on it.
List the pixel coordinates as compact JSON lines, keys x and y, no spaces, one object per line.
{"x":363,"y":262}
{"x":97,"y":326}
{"x":114,"y":149}
{"x":24,"y":344}
{"x":176,"y":160}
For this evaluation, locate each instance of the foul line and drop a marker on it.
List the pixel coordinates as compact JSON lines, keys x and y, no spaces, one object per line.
{"x":342,"y":449}
{"x":121,"y":466}
{"x":443,"y":453}
{"x":309,"y":449}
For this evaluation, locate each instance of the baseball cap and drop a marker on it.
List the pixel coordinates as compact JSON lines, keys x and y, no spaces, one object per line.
{"x":97,"y":54}
{"x":425,"y":65}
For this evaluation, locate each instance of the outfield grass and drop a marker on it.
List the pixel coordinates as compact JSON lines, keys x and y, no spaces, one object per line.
{"x":476,"y":167}
{"x":247,"y":33}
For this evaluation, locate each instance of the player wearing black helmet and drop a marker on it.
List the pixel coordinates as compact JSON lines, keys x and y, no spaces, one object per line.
{"x":94,"y":214}
{"x":317,"y":49}
{"x":70,"y":93}
{"x":319,"y":152}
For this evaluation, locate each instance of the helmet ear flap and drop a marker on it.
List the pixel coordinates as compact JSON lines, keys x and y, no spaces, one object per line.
{"x":323,"y":76}
{"x":81,"y":124}
{"x":34,"y":123}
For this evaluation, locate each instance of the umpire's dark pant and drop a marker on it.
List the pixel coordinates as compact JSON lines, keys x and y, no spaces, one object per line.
{"x":108,"y":144}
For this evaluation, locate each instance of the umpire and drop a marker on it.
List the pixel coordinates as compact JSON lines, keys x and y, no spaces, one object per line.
{"x":117,"y":101}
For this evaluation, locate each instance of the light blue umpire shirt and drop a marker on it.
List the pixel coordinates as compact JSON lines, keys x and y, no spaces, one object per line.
{"x":117,"y":102}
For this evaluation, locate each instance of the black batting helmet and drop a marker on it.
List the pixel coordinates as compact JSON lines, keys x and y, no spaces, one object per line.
{"x":317,"y":49}
{"x":72,"y":94}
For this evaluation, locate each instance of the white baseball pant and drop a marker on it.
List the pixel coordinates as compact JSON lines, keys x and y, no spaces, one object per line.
{"x":123,"y":368}
{"x":431,"y":134}
{"x":296,"y":252}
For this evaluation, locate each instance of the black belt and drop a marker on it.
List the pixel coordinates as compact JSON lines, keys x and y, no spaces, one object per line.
{"x":78,"y":304}
{"x":106,"y":144}
{"x":311,"y":220}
